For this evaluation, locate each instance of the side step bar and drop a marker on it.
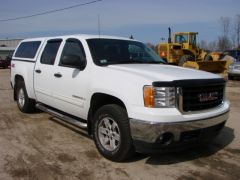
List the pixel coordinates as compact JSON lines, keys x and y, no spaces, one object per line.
{"x":65,"y":118}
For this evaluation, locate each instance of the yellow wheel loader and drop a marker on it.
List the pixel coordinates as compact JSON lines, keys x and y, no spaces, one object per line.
{"x":183,"y":51}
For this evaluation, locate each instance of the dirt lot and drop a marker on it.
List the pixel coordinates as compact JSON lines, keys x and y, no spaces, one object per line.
{"x":36,"y":146}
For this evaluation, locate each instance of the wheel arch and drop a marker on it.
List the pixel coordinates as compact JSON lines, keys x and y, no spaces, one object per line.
{"x":98,"y":100}
{"x":17,"y":78}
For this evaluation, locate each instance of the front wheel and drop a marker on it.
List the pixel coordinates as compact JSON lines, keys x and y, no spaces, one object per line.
{"x":25,"y":104}
{"x":184,"y":59}
{"x":208,"y":58}
{"x":112,"y":133}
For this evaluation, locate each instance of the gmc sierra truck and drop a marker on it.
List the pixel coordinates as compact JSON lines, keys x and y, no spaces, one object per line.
{"x":120,"y":92}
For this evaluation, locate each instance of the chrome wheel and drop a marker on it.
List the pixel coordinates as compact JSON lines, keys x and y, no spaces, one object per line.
{"x":109,"y":134}
{"x":21,"y":98}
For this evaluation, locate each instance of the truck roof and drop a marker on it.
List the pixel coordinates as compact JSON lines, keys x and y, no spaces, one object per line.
{"x":77,"y":36}
{"x":81,"y":36}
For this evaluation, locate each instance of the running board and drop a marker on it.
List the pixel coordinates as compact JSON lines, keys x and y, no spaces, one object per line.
{"x":65,"y":118}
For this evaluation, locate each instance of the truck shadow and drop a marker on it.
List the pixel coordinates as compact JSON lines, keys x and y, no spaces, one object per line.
{"x":220,"y":142}
{"x":82,"y":132}
{"x":224,"y":139}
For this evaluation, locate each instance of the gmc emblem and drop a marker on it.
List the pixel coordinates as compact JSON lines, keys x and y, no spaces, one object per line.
{"x":203,"y":97}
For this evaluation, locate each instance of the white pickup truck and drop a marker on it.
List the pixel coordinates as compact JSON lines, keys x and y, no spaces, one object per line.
{"x":120,"y":91}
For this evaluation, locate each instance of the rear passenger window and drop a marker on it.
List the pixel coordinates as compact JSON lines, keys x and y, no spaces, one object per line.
{"x":28,"y":49}
{"x":50,"y":51}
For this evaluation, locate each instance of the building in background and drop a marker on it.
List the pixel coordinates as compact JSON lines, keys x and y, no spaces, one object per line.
{"x":7,"y":47}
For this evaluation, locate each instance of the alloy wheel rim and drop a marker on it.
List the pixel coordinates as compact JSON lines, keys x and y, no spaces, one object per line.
{"x":21,"y":98}
{"x":109,"y":134}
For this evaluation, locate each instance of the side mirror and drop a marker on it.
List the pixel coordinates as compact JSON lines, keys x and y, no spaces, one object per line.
{"x":74,"y":61}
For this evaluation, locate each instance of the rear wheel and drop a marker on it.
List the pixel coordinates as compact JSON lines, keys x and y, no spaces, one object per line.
{"x":112,"y":133}
{"x":25,"y":104}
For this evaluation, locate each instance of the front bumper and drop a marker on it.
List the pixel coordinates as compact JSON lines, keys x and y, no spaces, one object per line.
{"x":234,"y":72}
{"x":162,"y":135}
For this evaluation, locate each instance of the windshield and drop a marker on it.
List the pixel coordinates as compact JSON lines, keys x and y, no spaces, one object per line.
{"x":181,"y":38}
{"x":113,"y":51}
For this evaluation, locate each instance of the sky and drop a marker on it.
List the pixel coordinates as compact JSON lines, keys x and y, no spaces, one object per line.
{"x":146,"y":20}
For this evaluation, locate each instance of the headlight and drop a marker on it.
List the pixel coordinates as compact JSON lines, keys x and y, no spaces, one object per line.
{"x":159,"y":96}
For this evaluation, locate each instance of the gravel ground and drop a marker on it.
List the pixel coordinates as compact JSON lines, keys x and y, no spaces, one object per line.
{"x":37,"y":146}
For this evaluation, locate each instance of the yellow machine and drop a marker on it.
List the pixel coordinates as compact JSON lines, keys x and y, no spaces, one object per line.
{"x":183,"y":51}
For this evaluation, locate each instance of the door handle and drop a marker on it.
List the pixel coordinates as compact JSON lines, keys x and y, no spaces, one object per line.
{"x":58,"y":75}
{"x":38,"y":71}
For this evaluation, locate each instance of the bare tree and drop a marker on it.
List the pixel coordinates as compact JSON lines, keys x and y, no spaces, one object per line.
{"x":233,"y":39}
{"x":223,"y":41}
{"x":237,"y":29}
{"x":203,"y":45}
{"x":225,"y":23}
{"x":212,"y":46}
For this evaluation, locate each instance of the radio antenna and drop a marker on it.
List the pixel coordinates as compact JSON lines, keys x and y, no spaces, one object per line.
{"x":99,"y":26}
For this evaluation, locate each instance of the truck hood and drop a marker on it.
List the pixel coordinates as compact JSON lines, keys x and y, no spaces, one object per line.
{"x":160,"y":72}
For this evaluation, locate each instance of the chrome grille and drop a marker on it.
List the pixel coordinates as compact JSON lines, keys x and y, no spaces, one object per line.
{"x":202,"y":97}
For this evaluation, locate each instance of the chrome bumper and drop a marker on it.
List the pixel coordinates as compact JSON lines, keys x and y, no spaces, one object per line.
{"x":150,"y":132}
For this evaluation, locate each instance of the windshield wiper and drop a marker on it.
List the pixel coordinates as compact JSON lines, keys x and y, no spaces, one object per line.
{"x":130,"y":62}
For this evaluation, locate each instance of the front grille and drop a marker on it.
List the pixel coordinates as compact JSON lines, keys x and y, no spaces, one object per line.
{"x":202,"y":97}
{"x":196,"y":94}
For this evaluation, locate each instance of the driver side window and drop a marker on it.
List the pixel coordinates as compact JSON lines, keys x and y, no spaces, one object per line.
{"x":72,"y":48}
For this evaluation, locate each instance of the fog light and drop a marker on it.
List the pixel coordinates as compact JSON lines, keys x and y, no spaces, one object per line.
{"x":166,"y":138}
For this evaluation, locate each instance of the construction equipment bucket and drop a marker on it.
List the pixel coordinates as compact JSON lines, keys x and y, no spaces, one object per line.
{"x":209,"y":66}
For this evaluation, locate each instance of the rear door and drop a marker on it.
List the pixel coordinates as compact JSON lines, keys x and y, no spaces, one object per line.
{"x":44,"y":72}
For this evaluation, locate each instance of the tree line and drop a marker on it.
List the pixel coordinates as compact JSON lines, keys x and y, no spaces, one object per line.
{"x":229,"y":38}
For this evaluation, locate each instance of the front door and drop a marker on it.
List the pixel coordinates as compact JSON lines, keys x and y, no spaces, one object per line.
{"x":70,"y":86}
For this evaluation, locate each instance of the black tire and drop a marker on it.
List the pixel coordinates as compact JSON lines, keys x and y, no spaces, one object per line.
{"x":124,"y":147}
{"x":25,"y":104}
{"x":230,"y":77}
{"x":183,"y":59}
{"x":208,"y":58}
